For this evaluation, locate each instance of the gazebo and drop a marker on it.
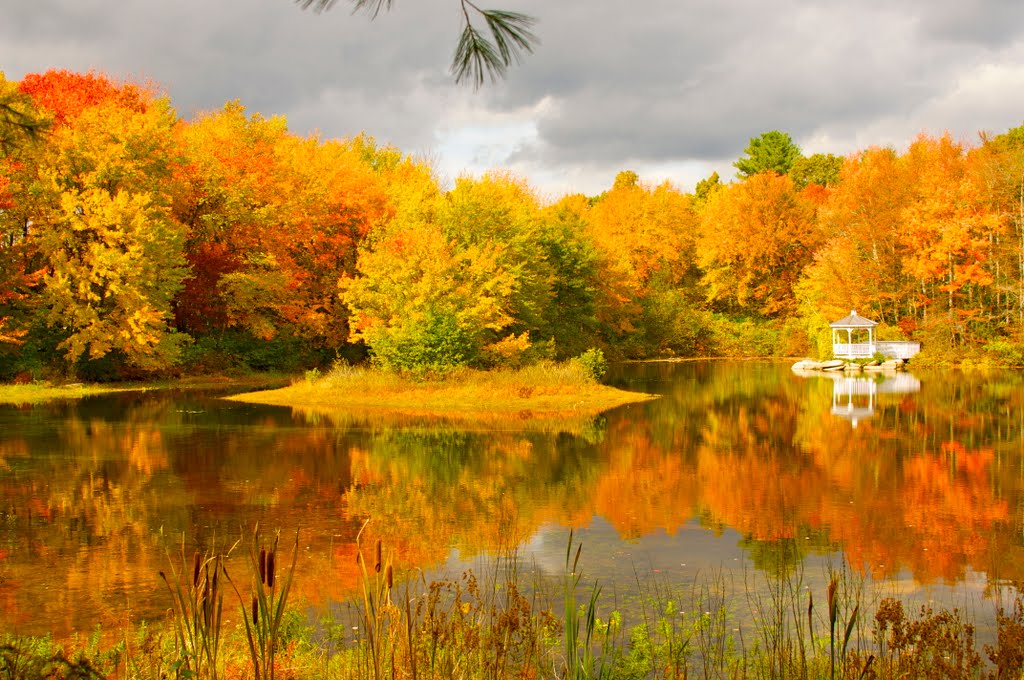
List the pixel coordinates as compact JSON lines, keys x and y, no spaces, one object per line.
{"x":853,"y":337}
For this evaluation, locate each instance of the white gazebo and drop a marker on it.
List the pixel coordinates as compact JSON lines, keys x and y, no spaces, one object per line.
{"x":853,"y":337}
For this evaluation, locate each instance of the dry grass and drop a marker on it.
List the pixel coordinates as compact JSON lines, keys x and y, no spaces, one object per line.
{"x":41,"y":392}
{"x":541,"y":390}
{"x":37,"y":393}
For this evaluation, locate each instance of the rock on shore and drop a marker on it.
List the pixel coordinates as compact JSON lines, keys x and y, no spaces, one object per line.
{"x":889,"y":365}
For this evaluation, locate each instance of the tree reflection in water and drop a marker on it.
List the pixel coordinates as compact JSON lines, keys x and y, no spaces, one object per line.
{"x":737,"y":463}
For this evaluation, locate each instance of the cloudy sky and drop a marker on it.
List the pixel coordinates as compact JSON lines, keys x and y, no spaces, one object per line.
{"x":672,"y":89}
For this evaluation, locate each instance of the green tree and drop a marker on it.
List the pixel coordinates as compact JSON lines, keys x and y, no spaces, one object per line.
{"x":772,"y":151}
{"x":705,"y":187}
{"x":481,"y":52}
{"x":822,"y":169}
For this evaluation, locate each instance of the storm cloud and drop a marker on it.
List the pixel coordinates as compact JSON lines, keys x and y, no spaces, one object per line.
{"x":671,"y":89}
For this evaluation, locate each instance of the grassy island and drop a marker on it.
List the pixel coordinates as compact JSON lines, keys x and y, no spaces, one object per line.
{"x":545,"y":389}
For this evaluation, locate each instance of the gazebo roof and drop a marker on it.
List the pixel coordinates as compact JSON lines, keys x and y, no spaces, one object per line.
{"x":854,"y":320}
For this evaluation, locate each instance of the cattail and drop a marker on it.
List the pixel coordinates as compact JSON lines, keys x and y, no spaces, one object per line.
{"x":832,"y":603}
{"x":255,"y":609}
{"x":389,"y":577}
{"x":196,"y":562}
{"x":270,"y":569}
{"x":376,"y":566}
{"x":263,"y":565}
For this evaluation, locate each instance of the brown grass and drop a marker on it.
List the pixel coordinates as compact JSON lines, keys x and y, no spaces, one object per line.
{"x":543,"y":390}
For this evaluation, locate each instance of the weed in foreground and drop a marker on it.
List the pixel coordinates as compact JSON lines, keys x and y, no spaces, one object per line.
{"x":263,"y":612}
{"x":197,"y":612}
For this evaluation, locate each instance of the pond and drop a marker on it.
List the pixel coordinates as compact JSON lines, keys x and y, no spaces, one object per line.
{"x":740,"y":471}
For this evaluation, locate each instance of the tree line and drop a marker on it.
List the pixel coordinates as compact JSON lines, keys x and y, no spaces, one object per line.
{"x":134,"y":242}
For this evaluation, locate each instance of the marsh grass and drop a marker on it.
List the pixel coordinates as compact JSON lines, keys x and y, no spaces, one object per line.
{"x":38,"y":393}
{"x":41,"y":392}
{"x":197,"y":588}
{"x":263,"y":612}
{"x":500,"y":622}
{"x":25,"y":657}
{"x":545,"y":387}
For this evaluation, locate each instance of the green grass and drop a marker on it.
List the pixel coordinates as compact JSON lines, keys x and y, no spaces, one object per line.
{"x":38,"y":393}
{"x":41,"y":392}
{"x":543,"y":389}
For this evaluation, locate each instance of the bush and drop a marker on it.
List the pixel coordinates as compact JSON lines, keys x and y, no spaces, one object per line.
{"x":435,"y":344}
{"x":593,"y":362}
{"x":1006,"y":352}
{"x":240,"y":350}
{"x":745,"y":337}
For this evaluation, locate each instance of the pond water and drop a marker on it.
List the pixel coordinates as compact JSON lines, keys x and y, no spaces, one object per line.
{"x":740,"y":471}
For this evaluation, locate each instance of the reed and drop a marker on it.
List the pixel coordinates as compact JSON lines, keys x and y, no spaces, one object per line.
{"x":580,"y":660}
{"x":263,"y":611}
{"x":484,"y":628}
{"x":378,"y":610}
{"x":197,"y":597}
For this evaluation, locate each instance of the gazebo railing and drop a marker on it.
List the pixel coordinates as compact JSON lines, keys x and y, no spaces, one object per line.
{"x":892,"y":349}
{"x":855,"y":350}
{"x":898,"y":349}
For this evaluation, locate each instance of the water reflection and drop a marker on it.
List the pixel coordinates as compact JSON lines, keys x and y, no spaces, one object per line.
{"x":854,"y":397}
{"x":737,"y":463}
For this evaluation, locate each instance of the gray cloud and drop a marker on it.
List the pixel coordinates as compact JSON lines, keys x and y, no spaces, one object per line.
{"x":655,"y":83}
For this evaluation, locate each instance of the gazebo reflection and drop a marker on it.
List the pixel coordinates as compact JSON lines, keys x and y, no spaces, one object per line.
{"x":854,"y":397}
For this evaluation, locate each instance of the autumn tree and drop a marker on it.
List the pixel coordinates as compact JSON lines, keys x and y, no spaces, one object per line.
{"x":21,"y":125}
{"x":113,"y":247}
{"x":485,"y":238}
{"x":422,"y":302}
{"x":755,"y":237}
{"x":20,"y":120}
{"x":226,"y":194}
{"x":860,"y":264}
{"x":949,"y":231}
{"x":997,"y":168}
{"x":645,"y":237}
{"x":94,"y":206}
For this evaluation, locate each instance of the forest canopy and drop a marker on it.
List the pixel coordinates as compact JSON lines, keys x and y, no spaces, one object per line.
{"x":134,"y":242}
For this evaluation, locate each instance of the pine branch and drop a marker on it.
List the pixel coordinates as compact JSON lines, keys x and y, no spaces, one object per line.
{"x":477,"y":56}
{"x":18,"y":121}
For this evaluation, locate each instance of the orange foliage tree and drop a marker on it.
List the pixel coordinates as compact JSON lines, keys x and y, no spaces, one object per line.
{"x":755,"y":238}
{"x":100,"y":218}
{"x":645,"y":240}
{"x":948,"y":232}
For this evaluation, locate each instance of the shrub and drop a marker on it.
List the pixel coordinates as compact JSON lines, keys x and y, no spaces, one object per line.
{"x":593,"y":362}
{"x":1006,"y":352}
{"x":434,"y":344}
